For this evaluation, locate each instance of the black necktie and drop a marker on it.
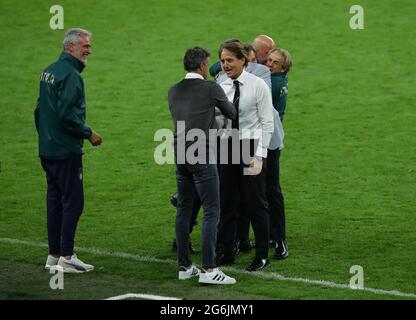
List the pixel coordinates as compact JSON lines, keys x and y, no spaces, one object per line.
{"x":236,"y":102}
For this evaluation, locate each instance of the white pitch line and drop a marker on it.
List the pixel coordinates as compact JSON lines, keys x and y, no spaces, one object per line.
{"x":142,"y":296}
{"x":260,"y":274}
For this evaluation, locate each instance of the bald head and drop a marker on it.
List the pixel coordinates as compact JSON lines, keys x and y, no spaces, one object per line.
{"x":263,"y":45}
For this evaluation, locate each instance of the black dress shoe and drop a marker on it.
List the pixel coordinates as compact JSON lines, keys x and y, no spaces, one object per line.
{"x":281,"y":251}
{"x":225,"y":260}
{"x":174,"y":199}
{"x":258,"y":264}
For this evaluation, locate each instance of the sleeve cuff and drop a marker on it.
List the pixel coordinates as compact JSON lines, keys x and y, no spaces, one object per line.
{"x":261,"y":153}
{"x":88,"y":132}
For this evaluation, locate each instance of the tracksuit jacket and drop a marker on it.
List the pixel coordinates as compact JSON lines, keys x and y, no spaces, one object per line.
{"x":60,"y":110}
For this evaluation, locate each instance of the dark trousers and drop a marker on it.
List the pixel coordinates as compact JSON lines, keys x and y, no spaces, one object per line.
{"x":203,"y":178}
{"x":234,"y":187}
{"x":243,"y":224}
{"x":65,"y":202}
{"x":195,"y":210}
{"x":275,"y":197}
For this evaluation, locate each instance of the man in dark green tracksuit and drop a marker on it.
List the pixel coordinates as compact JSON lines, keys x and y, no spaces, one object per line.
{"x":60,"y":122}
{"x":279,"y":62}
{"x":279,"y":92}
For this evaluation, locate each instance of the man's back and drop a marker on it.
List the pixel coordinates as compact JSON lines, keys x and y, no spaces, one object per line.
{"x":193,"y":101}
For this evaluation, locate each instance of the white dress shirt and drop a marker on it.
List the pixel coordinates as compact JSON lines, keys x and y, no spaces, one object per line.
{"x":256,"y":119}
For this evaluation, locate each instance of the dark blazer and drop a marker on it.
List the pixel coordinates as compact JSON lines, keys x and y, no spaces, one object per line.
{"x":193,"y":101}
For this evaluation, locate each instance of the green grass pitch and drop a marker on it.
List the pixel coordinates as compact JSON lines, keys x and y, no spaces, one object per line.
{"x":347,"y":171}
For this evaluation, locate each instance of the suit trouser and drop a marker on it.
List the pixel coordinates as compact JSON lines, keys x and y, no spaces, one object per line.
{"x":275,"y":197}
{"x":65,"y":202}
{"x":234,"y":186}
{"x":204,"y":178}
{"x":243,"y":224}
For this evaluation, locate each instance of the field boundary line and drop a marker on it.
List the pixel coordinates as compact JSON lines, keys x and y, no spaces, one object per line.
{"x":260,"y":274}
{"x":141,"y":295}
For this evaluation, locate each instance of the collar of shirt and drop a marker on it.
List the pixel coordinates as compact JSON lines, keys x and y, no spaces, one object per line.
{"x":77,"y":64}
{"x":193,"y":75}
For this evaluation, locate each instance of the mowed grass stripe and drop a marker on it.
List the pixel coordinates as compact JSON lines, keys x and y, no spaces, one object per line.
{"x":262,"y":275}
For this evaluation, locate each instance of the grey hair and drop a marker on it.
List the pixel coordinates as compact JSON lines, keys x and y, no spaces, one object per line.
{"x":72,"y":35}
{"x":287,"y":58}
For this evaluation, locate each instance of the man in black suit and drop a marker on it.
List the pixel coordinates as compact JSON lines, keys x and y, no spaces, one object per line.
{"x":192,"y":103}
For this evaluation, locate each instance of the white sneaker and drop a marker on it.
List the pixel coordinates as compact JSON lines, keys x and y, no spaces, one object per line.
{"x":73,"y":265}
{"x":51,"y":262}
{"x":185,"y":273}
{"x":215,"y":277}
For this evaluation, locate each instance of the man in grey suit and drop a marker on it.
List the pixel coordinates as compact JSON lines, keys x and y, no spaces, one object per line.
{"x":192,"y":103}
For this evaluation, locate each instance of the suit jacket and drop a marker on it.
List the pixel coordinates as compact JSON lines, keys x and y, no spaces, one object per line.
{"x":192,"y":104}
